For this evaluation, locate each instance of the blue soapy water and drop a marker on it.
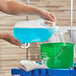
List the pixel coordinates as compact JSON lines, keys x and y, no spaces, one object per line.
{"x":31,"y":35}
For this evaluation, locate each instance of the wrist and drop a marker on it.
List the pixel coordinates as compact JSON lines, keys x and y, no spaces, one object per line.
{"x":35,"y":10}
{"x":39,"y":11}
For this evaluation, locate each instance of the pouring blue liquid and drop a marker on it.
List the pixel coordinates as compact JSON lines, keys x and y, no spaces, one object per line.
{"x":32,"y":35}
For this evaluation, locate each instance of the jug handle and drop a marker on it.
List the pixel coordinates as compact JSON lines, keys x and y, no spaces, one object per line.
{"x":24,"y":46}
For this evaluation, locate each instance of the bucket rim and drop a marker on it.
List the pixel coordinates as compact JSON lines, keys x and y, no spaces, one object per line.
{"x":55,"y":44}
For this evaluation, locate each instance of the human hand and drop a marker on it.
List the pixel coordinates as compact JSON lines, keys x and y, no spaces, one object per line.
{"x":47,"y":15}
{"x":11,"y":39}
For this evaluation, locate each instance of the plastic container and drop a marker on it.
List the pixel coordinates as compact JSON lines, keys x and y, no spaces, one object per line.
{"x":33,"y":31}
{"x":57,"y":55}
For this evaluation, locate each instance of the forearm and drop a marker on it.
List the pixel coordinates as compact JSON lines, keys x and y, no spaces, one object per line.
{"x":17,"y":8}
{"x":2,"y":35}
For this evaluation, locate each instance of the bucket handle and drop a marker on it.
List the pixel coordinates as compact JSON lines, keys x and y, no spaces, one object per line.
{"x":58,"y":54}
